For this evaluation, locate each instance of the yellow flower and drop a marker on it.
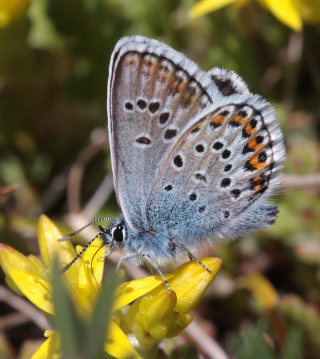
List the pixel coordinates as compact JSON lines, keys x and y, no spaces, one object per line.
{"x":156,"y":312}
{"x":290,"y":12}
{"x":10,"y":9}
{"x":262,"y":289}
{"x":164,"y":313}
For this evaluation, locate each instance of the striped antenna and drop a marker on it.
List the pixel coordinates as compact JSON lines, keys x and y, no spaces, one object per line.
{"x":65,"y":268}
{"x":69,"y":236}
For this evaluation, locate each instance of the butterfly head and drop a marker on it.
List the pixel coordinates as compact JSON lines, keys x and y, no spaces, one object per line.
{"x":115,"y":235}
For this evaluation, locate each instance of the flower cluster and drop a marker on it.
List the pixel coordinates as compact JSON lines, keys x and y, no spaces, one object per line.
{"x":155,"y":313}
{"x":290,"y":12}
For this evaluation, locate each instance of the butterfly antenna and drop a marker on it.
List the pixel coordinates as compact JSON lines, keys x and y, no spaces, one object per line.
{"x":69,"y":236}
{"x":65,"y":268}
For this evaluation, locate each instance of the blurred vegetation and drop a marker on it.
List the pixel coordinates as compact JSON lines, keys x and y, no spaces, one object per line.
{"x":53,"y":72}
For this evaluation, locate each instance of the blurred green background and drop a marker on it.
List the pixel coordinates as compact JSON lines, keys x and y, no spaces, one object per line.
{"x":54,"y":154}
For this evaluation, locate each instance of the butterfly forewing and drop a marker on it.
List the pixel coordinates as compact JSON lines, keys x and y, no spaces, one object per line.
{"x":154,"y":92}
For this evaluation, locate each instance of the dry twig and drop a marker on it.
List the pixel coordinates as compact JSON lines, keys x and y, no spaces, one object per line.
{"x":311,"y":180}
{"x":99,"y":198}
{"x":12,"y":320}
{"x":204,"y":342}
{"x":4,"y":191}
{"x":23,"y":307}
{"x":97,"y":143}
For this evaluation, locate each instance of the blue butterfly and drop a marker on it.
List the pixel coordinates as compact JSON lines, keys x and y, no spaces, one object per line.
{"x":195,"y":154}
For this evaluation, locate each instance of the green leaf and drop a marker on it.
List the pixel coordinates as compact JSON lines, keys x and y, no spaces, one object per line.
{"x":42,"y":32}
{"x":251,"y":343}
{"x":101,"y":317}
{"x":294,"y":344}
{"x":71,"y":329}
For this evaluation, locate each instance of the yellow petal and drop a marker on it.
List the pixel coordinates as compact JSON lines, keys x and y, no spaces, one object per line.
{"x":35,"y":288}
{"x":129,"y":291}
{"x":83,"y":300}
{"x":50,"y":349}
{"x":159,"y":332}
{"x":119,"y":345}
{"x":262,"y":290}
{"x":242,"y":3}
{"x":286,"y":11}
{"x":191,"y":280}
{"x":156,"y":308}
{"x":11,"y":284}
{"x":37,"y":263}
{"x":310,"y":10}
{"x":146,"y":341}
{"x":150,"y":317}
{"x":181,"y":322}
{"x":10,"y":9}
{"x":11,"y":258}
{"x":92,"y":267}
{"x":90,"y":274}
{"x":206,"y":6}
{"x":49,"y":247}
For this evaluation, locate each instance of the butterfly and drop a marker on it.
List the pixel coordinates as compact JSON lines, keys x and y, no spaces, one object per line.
{"x":195,"y":155}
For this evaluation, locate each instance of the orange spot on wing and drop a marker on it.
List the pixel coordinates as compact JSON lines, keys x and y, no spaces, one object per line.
{"x":258,"y":183}
{"x":257,"y":187}
{"x":218,"y":119}
{"x":250,"y":131}
{"x":254,"y":145}
{"x":239,"y":119}
{"x":255,"y":162}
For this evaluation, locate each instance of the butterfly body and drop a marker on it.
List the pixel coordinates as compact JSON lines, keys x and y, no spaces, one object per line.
{"x":195,"y":155}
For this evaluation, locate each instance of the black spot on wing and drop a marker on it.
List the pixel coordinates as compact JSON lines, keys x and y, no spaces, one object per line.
{"x":199,"y":148}
{"x":225,"y":182}
{"x":128,"y":105}
{"x":142,"y":104}
{"x":225,"y":154}
{"x":170,"y":133}
{"x":217,"y":145}
{"x":163,"y":118}
{"x":154,"y":107}
{"x":201,"y":177}
{"x":224,"y":85}
{"x":143,"y":140}
{"x":178,"y":161}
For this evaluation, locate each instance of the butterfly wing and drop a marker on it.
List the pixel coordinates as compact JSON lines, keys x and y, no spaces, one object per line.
{"x":216,"y":179}
{"x":153,"y":92}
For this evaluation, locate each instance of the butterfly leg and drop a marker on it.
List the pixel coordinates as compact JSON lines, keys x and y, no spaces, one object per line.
{"x":154,"y":265}
{"x":190,"y":255}
{"x":124,"y":258}
{"x":194,"y":258}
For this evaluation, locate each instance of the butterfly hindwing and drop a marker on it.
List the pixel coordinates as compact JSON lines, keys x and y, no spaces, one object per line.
{"x":223,"y":165}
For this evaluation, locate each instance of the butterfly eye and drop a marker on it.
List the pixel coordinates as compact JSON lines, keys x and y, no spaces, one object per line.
{"x":119,"y":233}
